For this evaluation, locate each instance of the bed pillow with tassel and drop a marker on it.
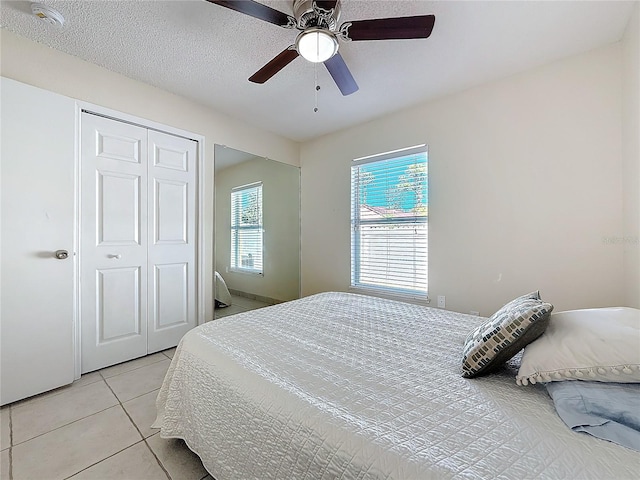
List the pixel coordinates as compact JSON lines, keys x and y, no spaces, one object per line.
{"x":600,"y":345}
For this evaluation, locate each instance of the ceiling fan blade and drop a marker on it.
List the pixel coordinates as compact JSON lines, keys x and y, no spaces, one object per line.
{"x":390,"y":28}
{"x":341,"y":74}
{"x":258,"y":10}
{"x":283,"y":59}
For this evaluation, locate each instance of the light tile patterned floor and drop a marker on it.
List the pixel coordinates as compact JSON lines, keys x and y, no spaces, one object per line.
{"x":97,"y":428}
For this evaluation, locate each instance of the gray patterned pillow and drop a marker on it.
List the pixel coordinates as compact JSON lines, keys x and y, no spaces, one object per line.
{"x":507,"y":332}
{"x":516,"y":301}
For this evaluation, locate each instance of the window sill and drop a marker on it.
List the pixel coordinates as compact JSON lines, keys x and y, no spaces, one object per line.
{"x":246,"y":272}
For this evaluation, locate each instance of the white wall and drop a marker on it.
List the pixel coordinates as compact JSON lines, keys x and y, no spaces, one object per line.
{"x":631,"y":158}
{"x":38,"y":65}
{"x":525,"y":186}
{"x":281,"y":217}
{"x":526,"y":174}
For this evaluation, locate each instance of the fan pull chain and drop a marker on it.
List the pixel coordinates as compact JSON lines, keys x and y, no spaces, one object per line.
{"x":317,"y":87}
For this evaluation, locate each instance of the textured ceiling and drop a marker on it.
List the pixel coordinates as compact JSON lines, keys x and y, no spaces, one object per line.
{"x":206,"y":53}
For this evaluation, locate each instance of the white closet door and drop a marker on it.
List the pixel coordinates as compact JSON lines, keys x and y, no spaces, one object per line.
{"x":113,"y":264}
{"x":36,"y":298}
{"x":172,"y":239}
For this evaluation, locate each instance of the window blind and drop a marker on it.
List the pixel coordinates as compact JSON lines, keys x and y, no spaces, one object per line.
{"x":389,"y":213}
{"x":246,"y":228}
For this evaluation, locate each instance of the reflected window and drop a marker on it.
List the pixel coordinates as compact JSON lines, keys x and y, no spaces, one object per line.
{"x":246,"y":228}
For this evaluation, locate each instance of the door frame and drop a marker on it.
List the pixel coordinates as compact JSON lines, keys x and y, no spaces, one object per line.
{"x":200,"y":200}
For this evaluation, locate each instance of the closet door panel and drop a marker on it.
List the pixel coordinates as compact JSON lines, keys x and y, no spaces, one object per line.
{"x":171,"y":294}
{"x":118,"y":208}
{"x":121,"y":319}
{"x":172,"y":239}
{"x":113,"y":266}
{"x":171,"y":210}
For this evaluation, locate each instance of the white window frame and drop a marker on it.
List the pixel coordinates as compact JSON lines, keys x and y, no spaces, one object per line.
{"x":235,"y":254}
{"x":356,"y":283}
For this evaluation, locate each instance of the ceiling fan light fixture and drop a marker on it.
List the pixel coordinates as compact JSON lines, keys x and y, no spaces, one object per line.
{"x":317,"y":45}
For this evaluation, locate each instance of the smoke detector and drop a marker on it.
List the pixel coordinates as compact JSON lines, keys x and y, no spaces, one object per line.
{"x":47,"y":14}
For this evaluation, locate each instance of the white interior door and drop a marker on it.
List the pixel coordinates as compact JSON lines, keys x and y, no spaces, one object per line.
{"x":113,"y":264}
{"x":37,"y":218}
{"x":172,"y":239}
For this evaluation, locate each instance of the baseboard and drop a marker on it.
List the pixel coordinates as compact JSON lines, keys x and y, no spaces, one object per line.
{"x":253,"y":296}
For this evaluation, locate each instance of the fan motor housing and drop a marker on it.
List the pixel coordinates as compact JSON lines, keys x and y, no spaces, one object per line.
{"x":307,"y":17}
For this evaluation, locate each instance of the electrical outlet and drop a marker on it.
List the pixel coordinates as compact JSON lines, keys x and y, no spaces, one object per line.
{"x":473,"y":312}
{"x":441,"y":301}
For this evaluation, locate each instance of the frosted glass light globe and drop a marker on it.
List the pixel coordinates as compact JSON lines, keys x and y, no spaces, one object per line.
{"x":317,"y":45}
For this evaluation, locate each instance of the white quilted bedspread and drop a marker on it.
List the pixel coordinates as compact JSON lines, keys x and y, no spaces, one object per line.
{"x":342,"y":386}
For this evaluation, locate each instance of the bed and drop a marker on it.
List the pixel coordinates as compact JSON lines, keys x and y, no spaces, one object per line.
{"x":344,"y":386}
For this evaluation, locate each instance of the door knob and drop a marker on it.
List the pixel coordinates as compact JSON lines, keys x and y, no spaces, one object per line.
{"x":61,"y":254}
{"x":117,"y":256}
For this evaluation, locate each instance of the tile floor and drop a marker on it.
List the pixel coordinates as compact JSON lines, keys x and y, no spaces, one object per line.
{"x":99,"y":427}
{"x":238,"y":305}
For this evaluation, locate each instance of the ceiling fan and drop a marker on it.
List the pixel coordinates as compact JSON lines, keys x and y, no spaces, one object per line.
{"x":317,"y":41}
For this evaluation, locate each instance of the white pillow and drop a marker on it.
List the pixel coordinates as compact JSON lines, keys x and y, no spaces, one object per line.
{"x":600,"y":344}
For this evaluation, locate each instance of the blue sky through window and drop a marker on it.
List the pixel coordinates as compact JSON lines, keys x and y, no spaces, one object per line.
{"x":382,"y":183}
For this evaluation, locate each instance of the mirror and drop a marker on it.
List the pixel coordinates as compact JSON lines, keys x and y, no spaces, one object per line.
{"x":257,"y":250}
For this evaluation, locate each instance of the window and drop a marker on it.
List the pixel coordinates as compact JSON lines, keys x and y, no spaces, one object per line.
{"x":389,"y":211}
{"x":246,"y":228}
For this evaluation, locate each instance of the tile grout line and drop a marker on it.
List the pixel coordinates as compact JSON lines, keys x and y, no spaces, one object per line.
{"x":65,"y":425}
{"x":141,"y":395}
{"x":125,"y":411}
{"x":99,"y":461}
{"x":120,"y":451}
{"x":106,"y":380}
{"x":65,"y":388}
{"x":119,"y":403}
{"x":87,"y":416}
{"x":50,"y":394}
{"x":133,"y":369}
{"x":143,"y":437}
{"x":10,"y":443}
{"x":70,"y":423}
{"x":156,"y":457}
